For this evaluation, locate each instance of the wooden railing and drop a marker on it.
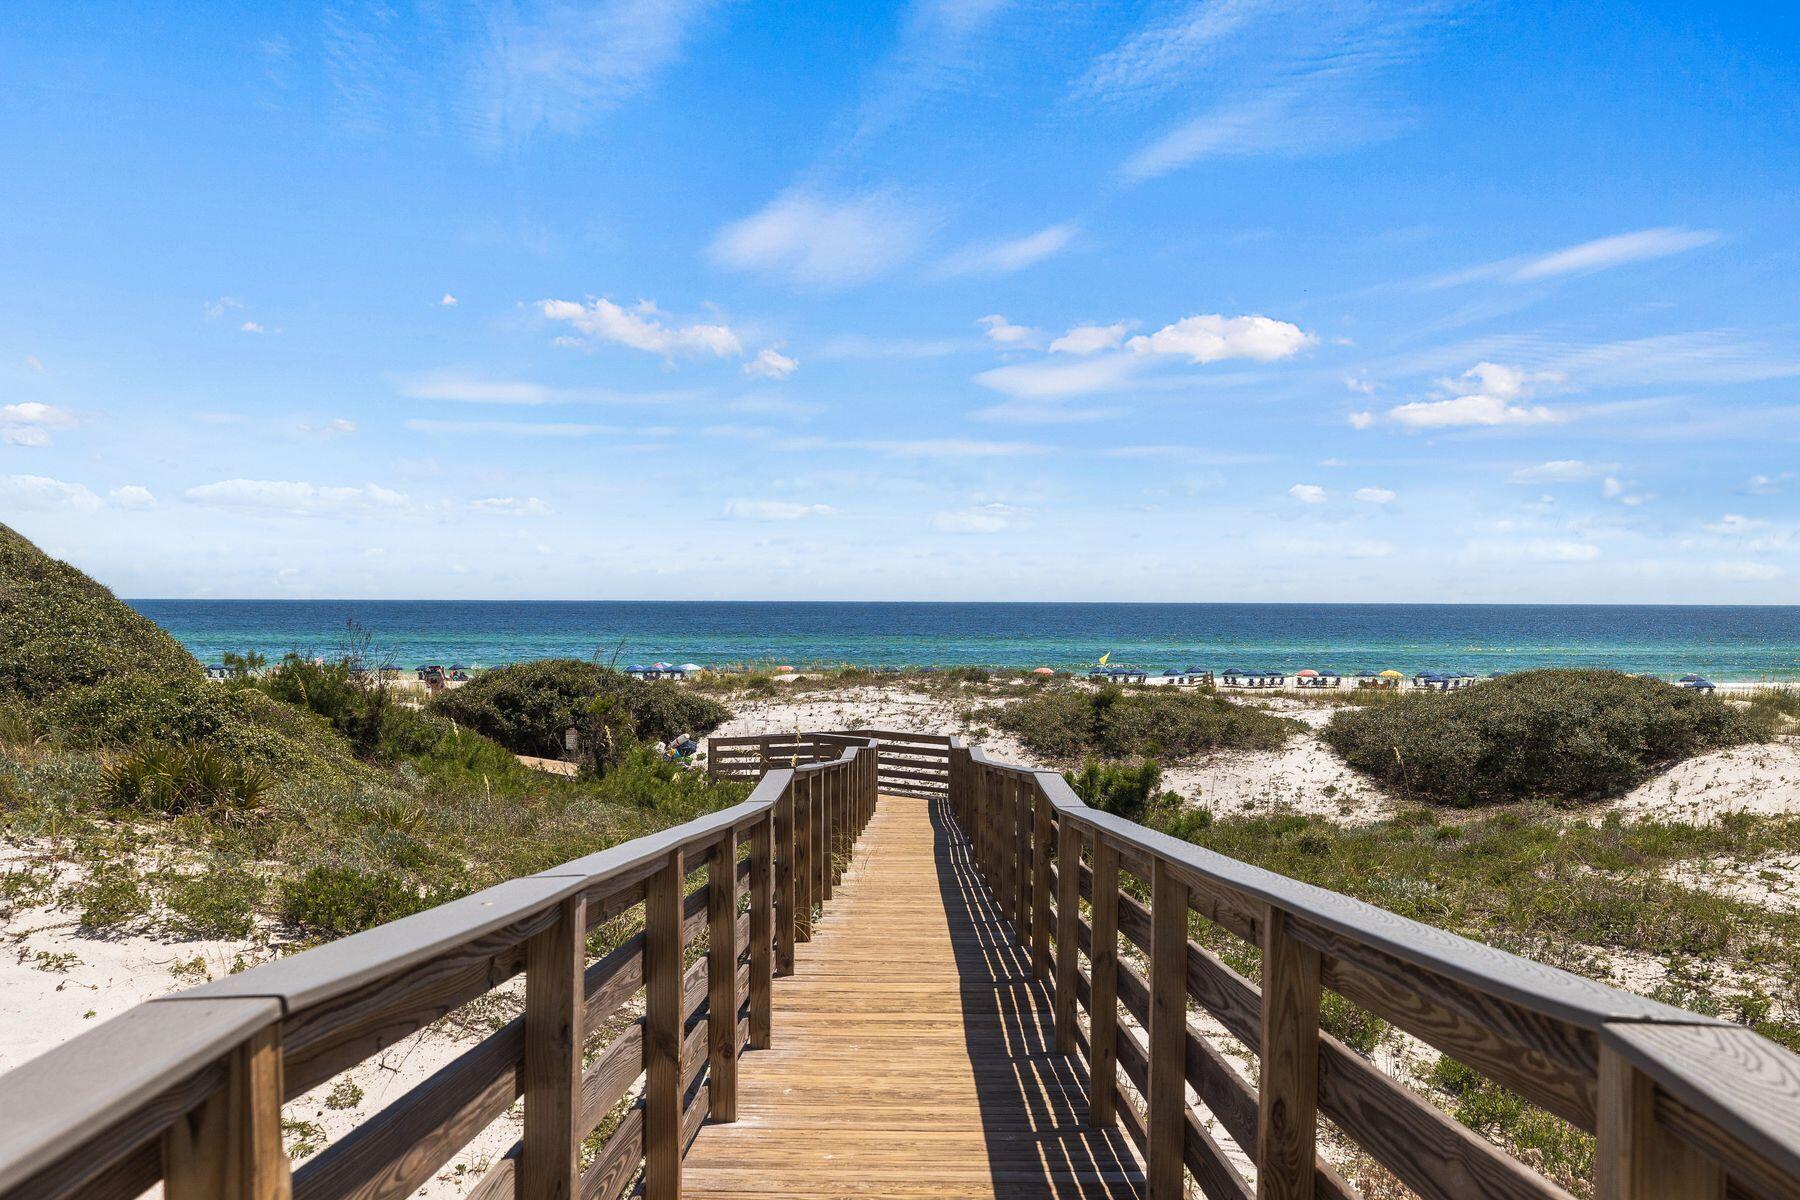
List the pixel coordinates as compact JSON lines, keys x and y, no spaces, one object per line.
{"x":1682,"y":1105}
{"x":912,"y":764}
{"x":187,"y":1090}
{"x":756,"y":755}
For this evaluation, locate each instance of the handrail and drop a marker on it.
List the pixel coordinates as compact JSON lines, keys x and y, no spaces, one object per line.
{"x":186,"y":1089}
{"x":1683,"y":1105}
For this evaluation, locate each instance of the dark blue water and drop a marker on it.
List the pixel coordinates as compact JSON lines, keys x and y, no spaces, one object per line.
{"x":1726,"y":643}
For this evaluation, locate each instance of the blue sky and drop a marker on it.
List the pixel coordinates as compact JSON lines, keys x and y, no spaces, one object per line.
{"x":1228,"y":300}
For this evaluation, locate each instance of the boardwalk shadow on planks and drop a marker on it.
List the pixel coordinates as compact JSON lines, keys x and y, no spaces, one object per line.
{"x":913,"y":1052}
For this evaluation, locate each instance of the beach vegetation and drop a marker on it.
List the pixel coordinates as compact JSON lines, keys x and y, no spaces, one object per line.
{"x":1566,"y":736}
{"x":527,"y":707}
{"x":1125,"y":789}
{"x":1071,"y":723}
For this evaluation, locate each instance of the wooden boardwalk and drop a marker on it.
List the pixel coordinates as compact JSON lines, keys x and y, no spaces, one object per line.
{"x":913,"y":1052}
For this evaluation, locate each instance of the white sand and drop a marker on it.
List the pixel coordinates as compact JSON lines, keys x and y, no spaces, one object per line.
{"x":1758,"y":779}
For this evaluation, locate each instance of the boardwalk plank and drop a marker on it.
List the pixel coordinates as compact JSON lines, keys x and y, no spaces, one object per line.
{"x":914,"y":1051}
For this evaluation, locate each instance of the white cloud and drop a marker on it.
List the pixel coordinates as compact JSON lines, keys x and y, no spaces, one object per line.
{"x":1488,"y":395}
{"x":214,"y":309}
{"x":43,"y":493}
{"x":297,"y":498}
{"x":1768,"y":485}
{"x":1056,"y":380}
{"x":1615,"y":251}
{"x":1090,"y":339}
{"x":1003,"y":258}
{"x":448,"y":301}
{"x":1213,"y":338}
{"x":524,"y":429}
{"x":1351,"y":548}
{"x":461,"y":388}
{"x":1562,"y":470}
{"x":640,"y":327}
{"x":1002,"y":332}
{"x":949,"y":448}
{"x":131,"y":496}
{"x":30,"y":422}
{"x":982,"y":518}
{"x":822,"y":243}
{"x":35,"y":365}
{"x":336,"y":427}
{"x":774,"y":510}
{"x":1732,"y":524}
{"x":251,"y":327}
{"x":1747,"y":572}
{"x":1307,"y":493}
{"x":1375,"y":495}
{"x":560,"y":66}
{"x":771,"y":364}
{"x":1560,"y":551}
{"x":1361,"y":420}
{"x":511,"y":506}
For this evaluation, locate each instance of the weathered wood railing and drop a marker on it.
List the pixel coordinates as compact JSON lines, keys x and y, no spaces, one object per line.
{"x":912,"y":764}
{"x":1682,"y":1105}
{"x":187,"y":1090}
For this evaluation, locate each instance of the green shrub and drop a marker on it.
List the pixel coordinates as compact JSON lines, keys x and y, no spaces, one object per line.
{"x":1561,"y":735}
{"x":112,"y":895}
{"x":60,"y":630}
{"x":219,"y":903}
{"x":333,"y":901}
{"x":527,"y":706}
{"x":1129,"y":790}
{"x":1075,"y":722}
{"x":180,"y":779}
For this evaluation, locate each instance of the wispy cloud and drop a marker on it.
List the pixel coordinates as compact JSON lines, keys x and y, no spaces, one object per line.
{"x":1562,"y":470}
{"x":771,"y":364}
{"x":40,"y":492}
{"x":32,"y":423}
{"x":296,"y":498}
{"x":774,"y":510}
{"x":556,"y":66}
{"x":1006,"y":257}
{"x":1091,"y":339}
{"x":641,"y":327}
{"x":1601,"y":254}
{"x":977,"y":519}
{"x":510,"y":429}
{"x":941,"y":47}
{"x":462,"y":387}
{"x":510,"y":506}
{"x":1003,"y":332}
{"x":825,"y":243}
{"x":1263,"y":77}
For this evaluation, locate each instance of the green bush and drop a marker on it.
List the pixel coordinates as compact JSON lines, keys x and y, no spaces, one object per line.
{"x":1075,"y":722}
{"x":61,"y":630}
{"x":1129,"y":790}
{"x":180,"y":779}
{"x":527,"y":706}
{"x":1560,"y":735}
{"x":335,"y":901}
{"x":111,"y":896}
{"x":221,"y":902}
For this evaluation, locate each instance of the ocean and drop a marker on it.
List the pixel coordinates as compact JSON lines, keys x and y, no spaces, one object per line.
{"x":1726,"y":643}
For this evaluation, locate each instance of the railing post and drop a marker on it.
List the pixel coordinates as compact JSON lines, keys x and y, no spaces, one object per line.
{"x":1103,"y":1016}
{"x":828,"y":787}
{"x":662,"y":1030}
{"x":229,"y":1146}
{"x":1287,"y":1117}
{"x":762,"y":929}
{"x":1040,"y":878}
{"x":1167,"y":1098}
{"x":555,"y":998}
{"x":786,"y":898}
{"x":1022,"y":900}
{"x":1637,"y":1158}
{"x":803,"y":857}
{"x":721,"y":978}
{"x":1068,"y":920}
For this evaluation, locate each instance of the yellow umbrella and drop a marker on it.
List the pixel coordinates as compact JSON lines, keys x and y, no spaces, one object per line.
{"x":1392,"y":675}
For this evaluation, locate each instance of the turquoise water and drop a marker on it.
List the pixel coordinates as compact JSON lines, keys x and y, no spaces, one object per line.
{"x":1724,"y":643}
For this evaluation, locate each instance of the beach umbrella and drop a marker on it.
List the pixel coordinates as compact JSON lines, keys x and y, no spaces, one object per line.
{"x":1042,"y":671}
{"x":1391,"y":675}
{"x":659,"y":666}
{"x":1306,"y":674}
{"x":1691,"y":679}
{"x":690,"y":667}
{"x":784,"y":668}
